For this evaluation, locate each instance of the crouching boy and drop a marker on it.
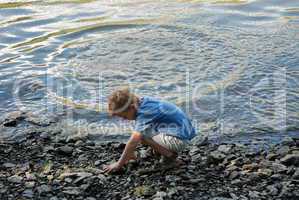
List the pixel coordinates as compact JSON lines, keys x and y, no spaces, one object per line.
{"x":159,"y":124}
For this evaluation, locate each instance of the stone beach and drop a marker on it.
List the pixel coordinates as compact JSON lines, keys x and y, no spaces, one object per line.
{"x":45,"y":165}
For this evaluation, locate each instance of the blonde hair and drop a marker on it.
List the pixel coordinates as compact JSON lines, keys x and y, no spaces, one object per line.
{"x":120,"y":100}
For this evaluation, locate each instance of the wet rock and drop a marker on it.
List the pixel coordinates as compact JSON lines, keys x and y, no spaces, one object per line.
{"x":215,"y":157}
{"x":13,"y":118}
{"x":264,"y":172}
{"x":224,"y":148}
{"x":290,"y":159}
{"x":78,"y":175}
{"x":272,"y":156}
{"x":288,"y":141}
{"x":29,"y":184}
{"x":8,"y":165}
{"x":65,"y":150}
{"x":45,"y":135}
{"x":284,"y":150}
{"x":254,"y":195}
{"x":43,"y":189}
{"x":278,"y":168}
{"x":296,"y":174}
{"x":28,"y":193}
{"x":250,"y":167}
{"x":15,"y":179}
{"x":272,"y":190}
{"x":72,"y":191}
{"x":234,"y":175}
{"x":144,"y":191}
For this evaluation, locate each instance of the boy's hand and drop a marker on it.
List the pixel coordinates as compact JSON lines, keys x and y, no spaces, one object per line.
{"x":114,"y":167}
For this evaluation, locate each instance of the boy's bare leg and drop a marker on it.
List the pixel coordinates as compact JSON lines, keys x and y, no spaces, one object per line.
{"x":159,"y":148}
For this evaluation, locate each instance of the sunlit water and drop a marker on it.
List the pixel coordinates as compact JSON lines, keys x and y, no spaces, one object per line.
{"x":232,"y":65}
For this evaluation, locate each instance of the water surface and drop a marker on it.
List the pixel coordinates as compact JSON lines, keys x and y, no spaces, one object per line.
{"x":231,"y":65}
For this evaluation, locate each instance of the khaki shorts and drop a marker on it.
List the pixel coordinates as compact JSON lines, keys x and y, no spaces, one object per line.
{"x":170,"y":142}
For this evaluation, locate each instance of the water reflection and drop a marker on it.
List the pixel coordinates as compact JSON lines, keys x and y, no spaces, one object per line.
{"x":232,"y":65}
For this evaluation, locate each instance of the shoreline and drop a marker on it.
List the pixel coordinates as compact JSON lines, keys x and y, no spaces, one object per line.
{"x":44,"y":166}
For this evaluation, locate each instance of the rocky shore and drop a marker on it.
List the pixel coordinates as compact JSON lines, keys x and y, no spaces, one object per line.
{"x":44,"y":166}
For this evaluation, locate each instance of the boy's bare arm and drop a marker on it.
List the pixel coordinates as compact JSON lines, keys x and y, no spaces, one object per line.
{"x":131,"y":145}
{"x":127,"y":154}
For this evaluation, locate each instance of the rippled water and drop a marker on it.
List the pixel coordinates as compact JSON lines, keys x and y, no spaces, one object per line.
{"x":232,"y":65}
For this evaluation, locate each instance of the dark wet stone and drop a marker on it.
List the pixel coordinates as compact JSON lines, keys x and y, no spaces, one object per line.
{"x":290,"y":159}
{"x":65,"y":150}
{"x":296,"y":174}
{"x":13,"y":118}
{"x":288,"y":141}
{"x":215,"y":157}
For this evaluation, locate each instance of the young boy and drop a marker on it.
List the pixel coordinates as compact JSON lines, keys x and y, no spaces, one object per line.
{"x":159,"y":124}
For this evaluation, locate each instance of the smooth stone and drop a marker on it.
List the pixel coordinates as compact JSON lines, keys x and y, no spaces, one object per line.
{"x":254,"y":195}
{"x":27,"y":193}
{"x":30,"y":177}
{"x":67,"y":150}
{"x":264,"y":172}
{"x":75,"y":174}
{"x":290,"y":159}
{"x":30,"y":184}
{"x":272,"y":190}
{"x":43,"y":189}
{"x":250,"y":167}
{"x":215,"y":157}
{"x":90,"y":198}
{"x":234,"y":175}
{"x":72,"y":191}
{"x":271,"y":156}
{"x":8,"y":165}
{"x":224,"y":148}
{"x":15,"y":179}
{"x":296,"y":174}
{"x":45,"y":135}
{"x":288,"y":141}
{"x":278,"y":168}
{"x":284,"y":150}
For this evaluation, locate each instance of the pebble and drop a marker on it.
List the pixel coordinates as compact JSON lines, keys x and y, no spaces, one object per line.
{"x":15,"y":179}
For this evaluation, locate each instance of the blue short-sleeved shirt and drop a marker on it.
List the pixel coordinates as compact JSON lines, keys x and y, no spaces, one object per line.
{"x":155,"y":116}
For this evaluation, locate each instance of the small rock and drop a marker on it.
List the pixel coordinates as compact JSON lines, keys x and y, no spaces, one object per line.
{"x":72,"y":190}
{"x":30,"y":177}
{"x":8,"y":165}
{"x":28,"y":193}
{"x":143,"y":191}
{"x":215,"y":157}
{"x":254,"y":195}
{"x":224,"y":148}
{"x":272,"y":190}
{"x":278,"y":168}
{"x":65,"y":150}
{"x":264,"y":172}
{"x":15,"y":179}
{"x":288,"y":141}
{"x":43,"y":189}
{"x":250,"y":167}
{"x":30,"y":184}
{"x":272,"y":156}
{"x":45,"y":135}
{"x":290,"y":159}
{"x":296,"y":174}
{"x":234,"y":175}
